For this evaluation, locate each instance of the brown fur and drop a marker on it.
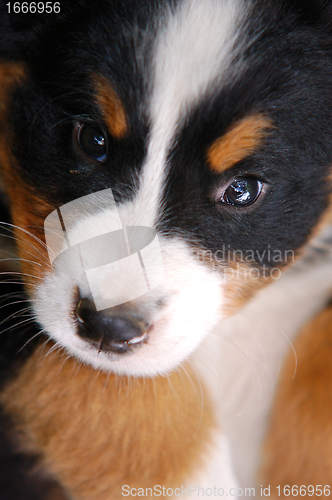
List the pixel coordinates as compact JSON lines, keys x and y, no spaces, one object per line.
{"x":240,"y":141}
{"x":111,"y":107}
{"x":98,"y":431}
{"x":298,"y":450}
{"x":10,"y":75}
{"x":28,"y":213}
{"x":27,"y":209}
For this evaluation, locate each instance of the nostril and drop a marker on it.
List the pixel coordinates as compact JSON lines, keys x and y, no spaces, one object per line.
{"x":108,"y":330}
{"x":85,"y":310}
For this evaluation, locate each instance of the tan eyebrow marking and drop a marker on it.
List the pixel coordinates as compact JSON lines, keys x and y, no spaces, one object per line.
{"x":111,"y":107}
{"x":240,"y":141}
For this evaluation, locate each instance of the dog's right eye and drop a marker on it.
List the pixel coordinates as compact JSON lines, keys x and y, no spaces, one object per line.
{"x":92,"y":141}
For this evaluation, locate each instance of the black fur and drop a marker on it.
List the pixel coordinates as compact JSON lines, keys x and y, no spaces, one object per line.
{"x":289,"y":80}
{"x":21,"y":477}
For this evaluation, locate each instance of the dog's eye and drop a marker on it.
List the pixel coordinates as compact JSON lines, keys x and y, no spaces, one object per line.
{"x":242,"y":192}
{"x":92,"y":141}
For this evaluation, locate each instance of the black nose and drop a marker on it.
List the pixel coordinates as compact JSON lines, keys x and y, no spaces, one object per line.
{"x":110,"y":330}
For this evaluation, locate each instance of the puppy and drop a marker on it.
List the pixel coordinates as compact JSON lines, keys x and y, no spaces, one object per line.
{"x":163,"y":162}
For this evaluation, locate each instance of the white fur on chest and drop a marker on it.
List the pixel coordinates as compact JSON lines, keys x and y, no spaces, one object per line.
{"x":240,"y":361}
{"x":218,"y":478}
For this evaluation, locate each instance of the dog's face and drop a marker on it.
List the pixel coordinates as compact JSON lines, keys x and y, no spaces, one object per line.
{"x":210,"y":122}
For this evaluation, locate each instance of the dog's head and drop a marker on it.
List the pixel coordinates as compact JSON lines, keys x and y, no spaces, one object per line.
{"x":175,"y":154}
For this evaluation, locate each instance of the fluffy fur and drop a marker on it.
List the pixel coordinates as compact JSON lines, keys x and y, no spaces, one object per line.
{"x":191,"y":98}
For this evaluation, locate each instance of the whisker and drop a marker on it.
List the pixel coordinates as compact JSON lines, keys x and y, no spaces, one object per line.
{"x":28,"y":243}
{"x":15,"y":315}
{"x":200,"y":394}
{"x":16,"y":273}
{"x":176,"y":398}
{"x":23,"y":301}
{"x":30,"y":340}
{"x":13,"y":295}
{"x":51,"y":101}
{"x":10,"y":259}
{"x":8,"y":282}
{"x":58,"y":122}
{"x":28,"y":233}
{"x":261,"y":317}
{"x":12,"y":327}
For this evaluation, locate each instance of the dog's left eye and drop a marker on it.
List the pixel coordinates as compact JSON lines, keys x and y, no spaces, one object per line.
{"x":242,"y":192}
{"x":92,"y":141}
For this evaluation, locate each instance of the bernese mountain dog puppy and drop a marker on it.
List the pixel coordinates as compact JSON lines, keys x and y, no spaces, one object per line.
{"x":167,"y":169}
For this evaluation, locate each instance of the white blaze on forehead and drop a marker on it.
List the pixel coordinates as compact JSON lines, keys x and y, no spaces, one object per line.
{"x":195,"y":48}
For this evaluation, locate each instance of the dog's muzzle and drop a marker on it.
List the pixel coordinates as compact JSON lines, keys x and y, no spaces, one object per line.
{"x":110,"y":263}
